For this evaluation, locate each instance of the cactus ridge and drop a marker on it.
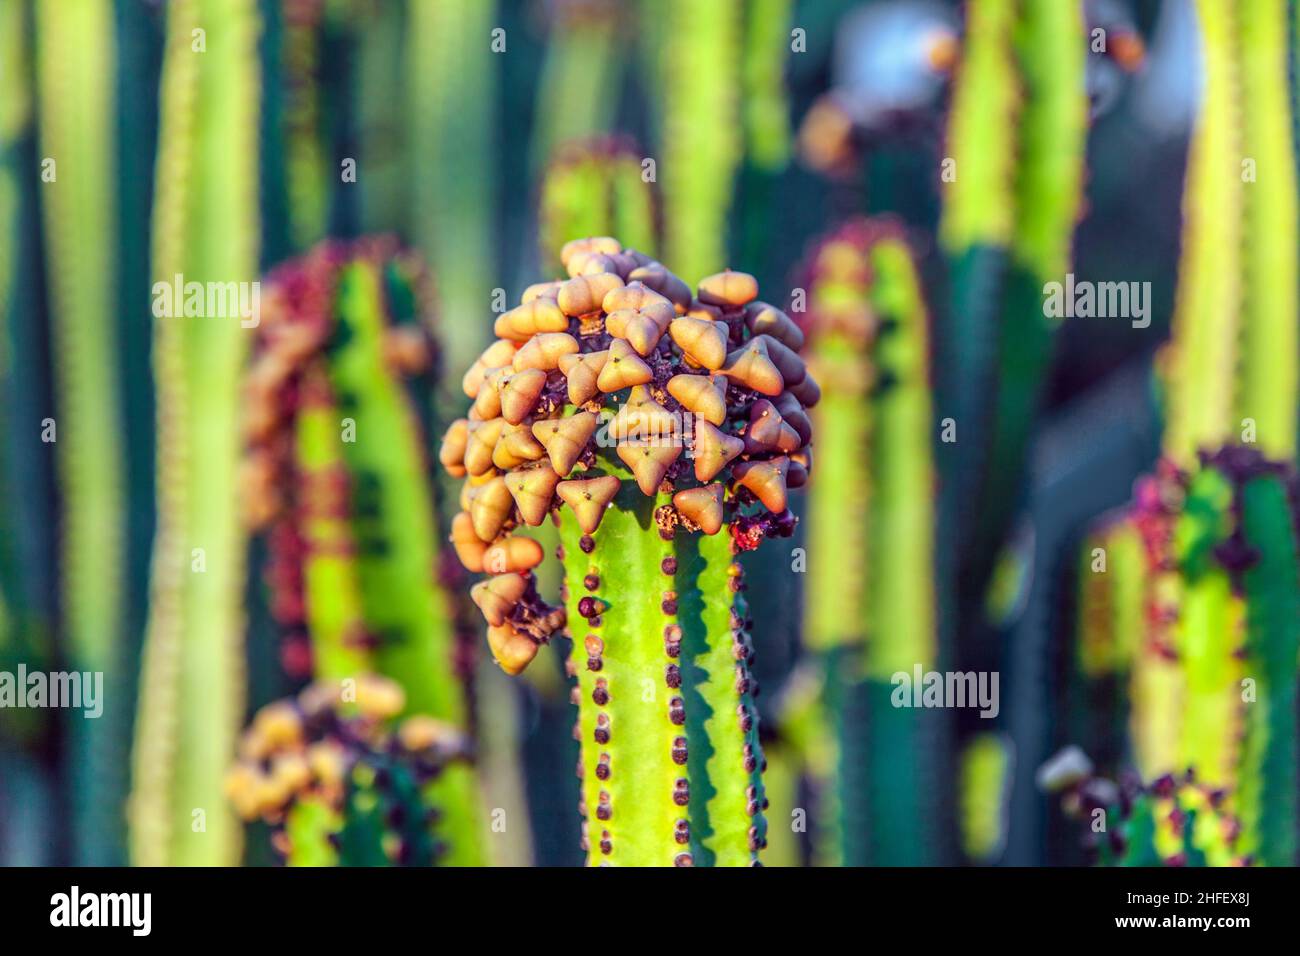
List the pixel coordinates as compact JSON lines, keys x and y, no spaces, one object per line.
{"x":336,"y":463}
{"x":868,"y":334}
{"x":662,"y":429}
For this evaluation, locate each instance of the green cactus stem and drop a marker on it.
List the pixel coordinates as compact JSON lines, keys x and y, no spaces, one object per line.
{"x":1232,"y":357}
{"x":1213,"y":679}
{"x":451,"y":96}
{"x":577,"y":92}
{"x":191,"y":693}
{"x":336,"y":458}
{"x":699,"y":64}
{"x":876,"y":615}
{"x":1112,"y":617}
{"x":1016,"y":144}
{"x":343,"y":782}
{"x":584,"y":408}
{"x":75,"y":62}
{"x":596,"y":188}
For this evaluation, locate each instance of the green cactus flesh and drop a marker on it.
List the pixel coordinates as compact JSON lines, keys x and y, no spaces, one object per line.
{"x":354,"y":555}
{"x":205,"y":228}
{"x":874,"y":616}
{"x":668,"y":734}
{"x":75,"y":61}
{"x":595,"y":188}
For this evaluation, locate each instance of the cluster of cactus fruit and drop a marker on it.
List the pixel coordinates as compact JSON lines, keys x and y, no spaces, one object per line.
{"x":661,"y":430}
{"x":340,"y":779}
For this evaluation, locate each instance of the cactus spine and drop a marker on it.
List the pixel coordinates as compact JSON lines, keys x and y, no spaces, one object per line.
{"x":191,"y":696}
{"x":670,"y":759}
{"x":874,"y":617}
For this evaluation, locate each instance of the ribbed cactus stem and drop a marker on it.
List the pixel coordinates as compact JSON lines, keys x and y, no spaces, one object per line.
{"x":596,"y":188}
{"x":1267,"y":802}
{"x":75,"y":58}
{"x":1268,"y":379}
{"x":356,"y":561}
{"x":577,"y":91}
{"x":701,"y":148}
{"x":671,"y":762}
{"x":450,"y":89}
{"x":191,"y":691}
{"x":1204,"y":354}
{"x":334,"y":608}
{"x":876,"y":615}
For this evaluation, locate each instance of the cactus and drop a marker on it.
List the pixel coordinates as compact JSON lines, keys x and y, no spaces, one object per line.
{"x":700,"y":73}
{"x":1016,"y":144}
{"x":205,"y":229}
{"x":671,"y":762}
{"x":337,"y":473}
{"x":1174,"y":821}
{"x":596,"y":188}
{"x":1213,"y":682}
{"x":875,"y":615}
{"x":577,"y":92}
{"x":75,"y":60}
{"x":1231,"y":366}
{"x":341,"y":781}
{"x":451,"y":107}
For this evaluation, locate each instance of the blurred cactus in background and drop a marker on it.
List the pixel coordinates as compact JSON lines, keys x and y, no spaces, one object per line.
{"x":1200,"y":607}
{"x":671,"y":776}
{"x":875,"y":614}
{"x":205,"y":230}
{"x":76,"y":48}
{"x":596,"y":188}
{"x":346,"y":784}
{"x":337,"y":473}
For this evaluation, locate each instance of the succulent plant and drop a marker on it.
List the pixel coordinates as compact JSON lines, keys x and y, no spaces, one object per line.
{"x":1213,"y":679}
{"x":450,"y":91}
{"x":1016,"y":138}
{"x":75,"y":53}
{"x":577,"y":91}
{"x":1174,"y":821}
{"x":338,"y":478}
{"x":874,"y":616}
{"x":1211,"y":662}
{"x":594,"y":188}
{"x":662,"y":430}
{"x":1231,"y":367}
{"x":205,"y":229}
{"x":342,"y":779}
{"x":700,"y":67}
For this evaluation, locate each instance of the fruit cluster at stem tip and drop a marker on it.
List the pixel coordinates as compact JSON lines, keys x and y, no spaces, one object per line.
{"x":621,"y":371}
